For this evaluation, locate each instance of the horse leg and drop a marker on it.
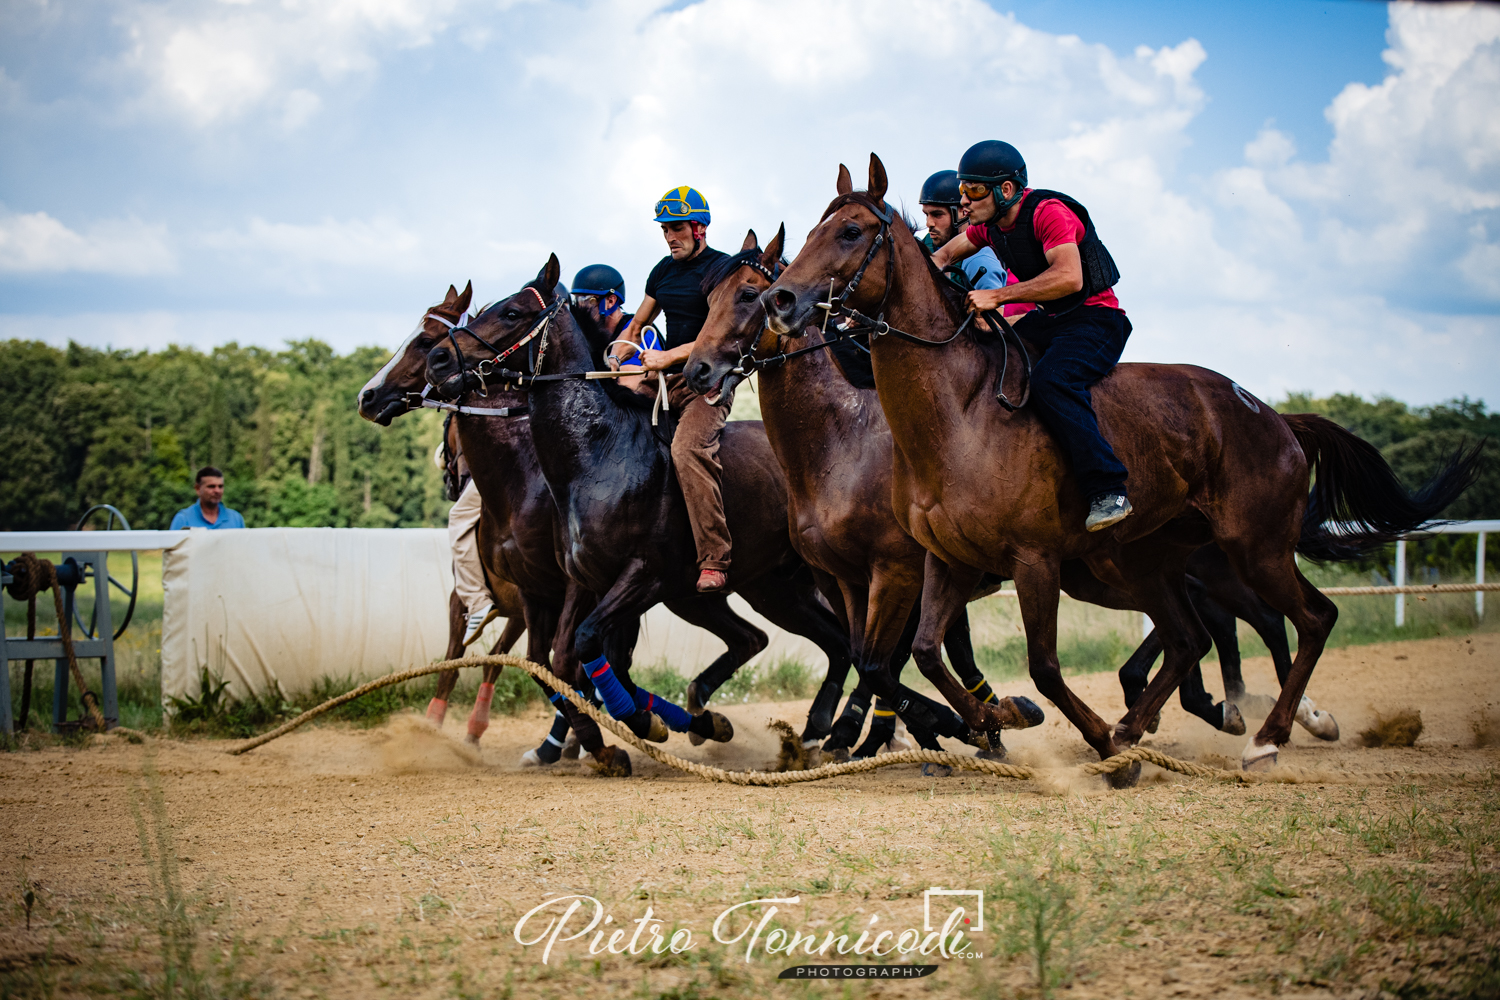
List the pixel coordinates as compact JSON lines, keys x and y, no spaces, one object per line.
{"x":633,"y":593}
{"x":479,"y":717}
{"x":946,"y":590}
{"x":1275,"y":577}
{"x":826,"y":701}
{"x":1164,"y":595}
{"x":1137,"y":670}
{"x":613,"y":761}
{"x":437,"y":708}
{"x":883,"y":717}
{"x":1222,"y":630}
{"x":797,"y":609}
{"x":1038,"y":586}
{"x":712,"y":614}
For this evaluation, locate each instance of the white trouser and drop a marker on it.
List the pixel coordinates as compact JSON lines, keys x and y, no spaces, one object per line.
{"x":463,"y":538}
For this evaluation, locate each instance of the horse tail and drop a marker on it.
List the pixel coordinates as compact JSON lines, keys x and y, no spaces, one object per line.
{"x":1355,"y":488}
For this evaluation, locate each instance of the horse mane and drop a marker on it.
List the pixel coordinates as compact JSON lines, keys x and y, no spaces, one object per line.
{"x":625,"y":398}
{"x":953,"y":298}
{"x":726,"y":266}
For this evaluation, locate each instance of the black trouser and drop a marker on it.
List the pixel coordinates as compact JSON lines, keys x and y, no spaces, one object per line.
{"x":1079,"y":348}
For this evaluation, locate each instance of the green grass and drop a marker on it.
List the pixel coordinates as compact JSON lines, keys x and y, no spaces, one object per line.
{"x":786,"y":679}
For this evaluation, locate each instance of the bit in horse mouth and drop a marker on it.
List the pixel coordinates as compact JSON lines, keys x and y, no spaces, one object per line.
{"x":726,"y":385}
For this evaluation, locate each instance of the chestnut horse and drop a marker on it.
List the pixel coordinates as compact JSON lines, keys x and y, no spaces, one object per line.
{"x":516,"y":541}
{"x":623,"y":528}
{"x":983,"y":486}
{"x":835,"y":448}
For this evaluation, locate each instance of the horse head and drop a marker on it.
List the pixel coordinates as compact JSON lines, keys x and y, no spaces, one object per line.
{"x":384,"y":397}
{"x":835,"y":262}
{"x":736,"y":319}
{"x":490,"y":341}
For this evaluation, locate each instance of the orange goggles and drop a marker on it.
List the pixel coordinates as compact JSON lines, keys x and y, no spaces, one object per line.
{"x":975,"y":190}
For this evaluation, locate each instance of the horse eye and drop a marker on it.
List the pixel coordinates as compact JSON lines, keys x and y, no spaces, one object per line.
{"x":749,"y":295}
{"x":512,"y":315}
{"x":850,"y":232}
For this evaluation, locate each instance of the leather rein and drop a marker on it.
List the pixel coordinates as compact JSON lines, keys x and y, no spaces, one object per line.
{"x":852,"y":323}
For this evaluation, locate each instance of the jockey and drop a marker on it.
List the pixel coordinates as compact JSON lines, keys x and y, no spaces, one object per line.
{"x":675,"y":285}
{"x":1047,"y":241}
{"x":946,"y":219}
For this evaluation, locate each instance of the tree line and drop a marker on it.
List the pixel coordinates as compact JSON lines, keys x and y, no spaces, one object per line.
{"x":80,"y":426}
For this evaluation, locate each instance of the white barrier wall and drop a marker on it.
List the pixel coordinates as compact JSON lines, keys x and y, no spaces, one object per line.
{"x":266,"y":606}
{"x":263,"y":606}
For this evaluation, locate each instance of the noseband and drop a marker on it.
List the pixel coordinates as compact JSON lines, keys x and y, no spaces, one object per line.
{"x":461,"y":382}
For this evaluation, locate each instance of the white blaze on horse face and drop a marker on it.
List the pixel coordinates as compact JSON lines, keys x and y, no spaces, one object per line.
{"x":378,"y":380}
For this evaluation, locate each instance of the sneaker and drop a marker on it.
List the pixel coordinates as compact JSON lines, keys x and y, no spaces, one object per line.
{"x":477,"y":621}
{"x":1111,"y":508}
{"x":711,"y":580}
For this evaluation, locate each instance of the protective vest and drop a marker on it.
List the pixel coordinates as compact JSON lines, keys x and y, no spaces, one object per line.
{"x":1021,"y":252}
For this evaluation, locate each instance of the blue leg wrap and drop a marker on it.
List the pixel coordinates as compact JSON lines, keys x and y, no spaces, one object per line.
{"x":677,"y":719}
{"x":616,"y":699}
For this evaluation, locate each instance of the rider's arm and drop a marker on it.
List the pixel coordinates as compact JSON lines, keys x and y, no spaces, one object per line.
{"x":647,"y":312}
{"x":954,"y":250}
{"x":658,"y":360}
{"x":1064,"y":276}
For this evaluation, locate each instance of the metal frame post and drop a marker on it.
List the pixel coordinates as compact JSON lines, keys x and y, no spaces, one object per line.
{"x":1479,"y":577}
{"x":7,"y":725}
{"x":1401,"y":582}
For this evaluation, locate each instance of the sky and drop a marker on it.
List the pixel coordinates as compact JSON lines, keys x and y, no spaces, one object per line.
{"x":1304,"y":196}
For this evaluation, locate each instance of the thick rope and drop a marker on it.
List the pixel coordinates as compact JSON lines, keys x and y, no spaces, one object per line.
{"x":1120,"y":761}
{"x":1431,"y":588}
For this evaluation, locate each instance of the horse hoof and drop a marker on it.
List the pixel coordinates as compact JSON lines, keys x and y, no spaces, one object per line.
{"x":697,"y":698}
{"x":1155,"y":723}
{"x":1234,"y":722}
{"x":695,"y":739}
{"x":612,"y":762}
{"x":936,"y":770}
{"x":530,"y":759}
{"x":836,"y":755}
{"x":648,"y":726}
{"x":1024,"y":713}
{"x":1126,"y":777}
{"x":471,"y":739}
{"x":1258,"y":758}
{"x":571,"y":746}
{"x":992,"y":753}
{"x":1316,"y":721}
{"x":723,"y":728}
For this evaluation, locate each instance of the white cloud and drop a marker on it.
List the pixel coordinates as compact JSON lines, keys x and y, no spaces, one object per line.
{"x":36,"y":243}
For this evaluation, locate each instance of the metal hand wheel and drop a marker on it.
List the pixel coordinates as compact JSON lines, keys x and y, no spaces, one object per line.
{"x":135,"y":574}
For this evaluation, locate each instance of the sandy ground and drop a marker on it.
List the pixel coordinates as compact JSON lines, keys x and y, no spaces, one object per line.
{"x":341,"y":862}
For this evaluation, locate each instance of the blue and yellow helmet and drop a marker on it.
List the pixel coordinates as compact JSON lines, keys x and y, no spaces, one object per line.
{"x":683,"y":204}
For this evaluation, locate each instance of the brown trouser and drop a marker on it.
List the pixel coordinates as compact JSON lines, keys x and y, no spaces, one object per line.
{"x":695,"y":454}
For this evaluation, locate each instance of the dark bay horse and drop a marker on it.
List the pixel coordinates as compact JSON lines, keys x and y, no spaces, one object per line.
{"x":835,"y":450}
{"x":835,"y":447}
{"x":623,"y":527}
{"x":984,"y":487}
{"x":517,"y":542}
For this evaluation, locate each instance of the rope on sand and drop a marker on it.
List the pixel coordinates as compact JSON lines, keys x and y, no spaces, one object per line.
{"x":1020,"y":772}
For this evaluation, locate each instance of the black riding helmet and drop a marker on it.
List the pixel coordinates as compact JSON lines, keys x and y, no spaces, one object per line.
{"x":993,"y":162}
{"x":600,"y":280}
{"x":941,"y":189}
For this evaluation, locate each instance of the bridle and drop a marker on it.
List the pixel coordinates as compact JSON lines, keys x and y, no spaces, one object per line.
{"x":475,"y":377}
{"x":851,"y":322}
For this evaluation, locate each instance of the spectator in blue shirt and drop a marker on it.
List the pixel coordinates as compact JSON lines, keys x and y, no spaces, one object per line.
{"x":209,"y":511}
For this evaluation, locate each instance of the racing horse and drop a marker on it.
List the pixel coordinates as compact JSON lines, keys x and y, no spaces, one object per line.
{"x":832,"y":440}
{"x":835,"y":451}
{"x":983,"y":486}
{"x":517,"y":533}
{"x":623,"y":527}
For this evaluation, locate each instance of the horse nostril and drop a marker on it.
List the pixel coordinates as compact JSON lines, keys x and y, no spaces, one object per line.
{"x":439,"y":356}
{"x":368,"y":396}
{"x":783,"y":300}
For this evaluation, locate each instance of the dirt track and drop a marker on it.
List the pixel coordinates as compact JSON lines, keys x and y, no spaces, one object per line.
{"x":338,"y":862}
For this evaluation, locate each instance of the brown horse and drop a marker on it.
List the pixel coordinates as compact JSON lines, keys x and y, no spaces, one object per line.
{"x":985,"y":488}
{"x":516,"y":539}
{"x":835,"y":449}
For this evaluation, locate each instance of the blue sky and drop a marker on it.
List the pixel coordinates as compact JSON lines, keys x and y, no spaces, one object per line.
{"x":1301,"y":195}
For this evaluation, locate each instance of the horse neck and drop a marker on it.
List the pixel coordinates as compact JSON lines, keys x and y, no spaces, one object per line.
{"x":940,"y":381}
{"x":501,"y":459}
{"x":812,"y":412}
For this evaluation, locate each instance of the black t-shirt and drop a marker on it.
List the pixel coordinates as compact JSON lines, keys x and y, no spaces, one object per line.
{"x":674,"y":284}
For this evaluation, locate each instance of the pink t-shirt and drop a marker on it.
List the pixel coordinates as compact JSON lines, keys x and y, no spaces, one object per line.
{"x":1054,"y":224}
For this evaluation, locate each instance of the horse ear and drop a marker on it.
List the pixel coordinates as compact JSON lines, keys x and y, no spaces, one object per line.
{"x":750,"y":241}
{"x":772,"y":256}
{"x":845,"y":182}
{"x":548,"y":276}
{"x":464,"y":297}
{"x":451,"y":297}
{"x":878,"y":182}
